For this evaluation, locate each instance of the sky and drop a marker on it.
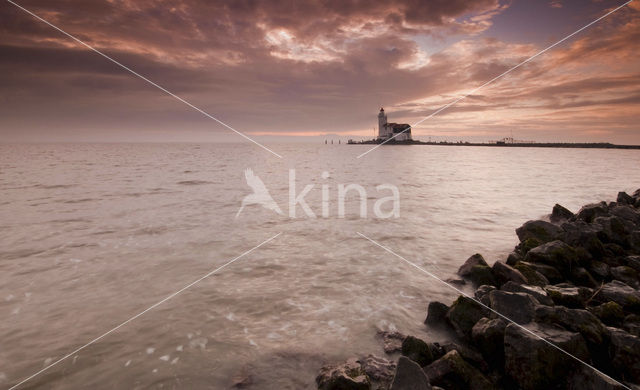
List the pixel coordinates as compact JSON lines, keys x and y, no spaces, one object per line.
{"x":310,"y":68}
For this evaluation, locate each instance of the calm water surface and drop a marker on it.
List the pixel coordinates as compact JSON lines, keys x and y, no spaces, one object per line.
{"x":92,"y":234}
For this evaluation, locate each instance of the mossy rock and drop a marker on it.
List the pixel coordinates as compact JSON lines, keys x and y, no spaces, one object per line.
{"x":533,"y":277}
{"x":609,"y":313}
{"x":418,"y":350}
{"x":463,"y":315}
{"x":481,"y":274}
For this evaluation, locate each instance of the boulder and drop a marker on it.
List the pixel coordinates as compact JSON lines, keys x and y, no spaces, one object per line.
{"x":533,"y":276}
{"x":625,"y":355}
{"x":560,"y":213}
{"x":418,"y":350}
{"x":452,"y":372}
{"x":532,"y":363}
{"x":488,"y":336}
{"x":626,"y":212}
{"x":347,"y":376}
{"x":380,"y":371}
{"x":556,"y":254}
{"x":514,"y":258}
{"x":591,"y":211}
{"x":634,"y":240}
{"x":624,"y":198}
{"x":436,"y":314}
{"x":463,"y":314}
{"x":575,"y":320}
{"x":613,"y":230}
{"x":581,"y":277}
{"x":481,"y":274}
{"x":504,"y":273}
{"x":626,"y":275}
{"x":469,"y":354}
{"x":600,"y":270}
{"x":580,"y":234}
{"x":391,"y":341}
{"x":475,"y":260}
{"x":542,"y":231}
{"x":574,"y":297}
{"x":537,"y":292}
{"x":482,"y":294}
{"x":633,"y":262}
{"x":588,"y":378}
{"x":620,"y":293}
{"x":516,"y":306}
{"x":631,"y":324}
{"x":409,"y":376}
{"x":610,"y":313}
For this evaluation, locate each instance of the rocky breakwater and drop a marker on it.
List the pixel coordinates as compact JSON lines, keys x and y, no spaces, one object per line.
{"x":562,"y":312}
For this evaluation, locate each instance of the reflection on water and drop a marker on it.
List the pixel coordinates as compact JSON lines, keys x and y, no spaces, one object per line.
{"x":91,"y":235}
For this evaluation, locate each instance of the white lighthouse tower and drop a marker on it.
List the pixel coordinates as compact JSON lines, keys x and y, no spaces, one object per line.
{"x":382,"y":124}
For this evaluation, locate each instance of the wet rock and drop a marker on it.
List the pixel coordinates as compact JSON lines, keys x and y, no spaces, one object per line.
{"x":482,"y":274}
{"x":436,"y":314}
{"x":613,"y":229}
{"x":463,"y":314}
{"x":504,"y":273}
{"x":626,"y":212}
{"x":620,"y":293}
{"x":532,"y":363}
{"x":469,"y":354}
{"x":537,"y":292}
{"x":626,"y":275}
{"x":609,"y":313}
{"x":456,"y":282}
{"x":418,"y":350}
{"x":542,"y":231}
{"x":588,"y":378}
{"x":591,"y":211}
{"x":452,"y":372}
{"x":580,"y":234}
{"x":488,"y":336}
{"x":525,"y":246}
{"x":634,"y":240}
{"x":633,"y":262}
{"x":516,"y":306}
{"x":600,"y":270}
{"x":582,"y":277}
{"x":575,"y":320}
{"x":624,"y":198}
{"x":514,"y":258}
{"x":409,"y":376}
{"x":625,"y":354}
{"x":574,"y":297}
{"x":347,"y":376}
{"x":560,"y":213}
{"x":475,"y":260}
{"x":556,"y":254}
{"x":391,"y":341}
{"x":631,"y":324}
{"x":534,"y":277}
{"x":482,"y":294}
{"x":380,"y":371}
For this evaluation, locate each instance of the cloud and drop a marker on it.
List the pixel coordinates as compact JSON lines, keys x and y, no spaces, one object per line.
{"x":296,"y":67}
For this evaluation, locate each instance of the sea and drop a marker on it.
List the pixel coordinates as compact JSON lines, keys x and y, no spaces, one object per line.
{"x":108,"y":252}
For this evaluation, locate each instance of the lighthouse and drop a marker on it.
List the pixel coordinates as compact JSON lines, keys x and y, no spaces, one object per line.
{"x":400,"y":132}
{"x":382,"y":124}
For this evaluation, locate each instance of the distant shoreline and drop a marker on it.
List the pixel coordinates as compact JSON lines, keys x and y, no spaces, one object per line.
{"x":593,"y":145}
